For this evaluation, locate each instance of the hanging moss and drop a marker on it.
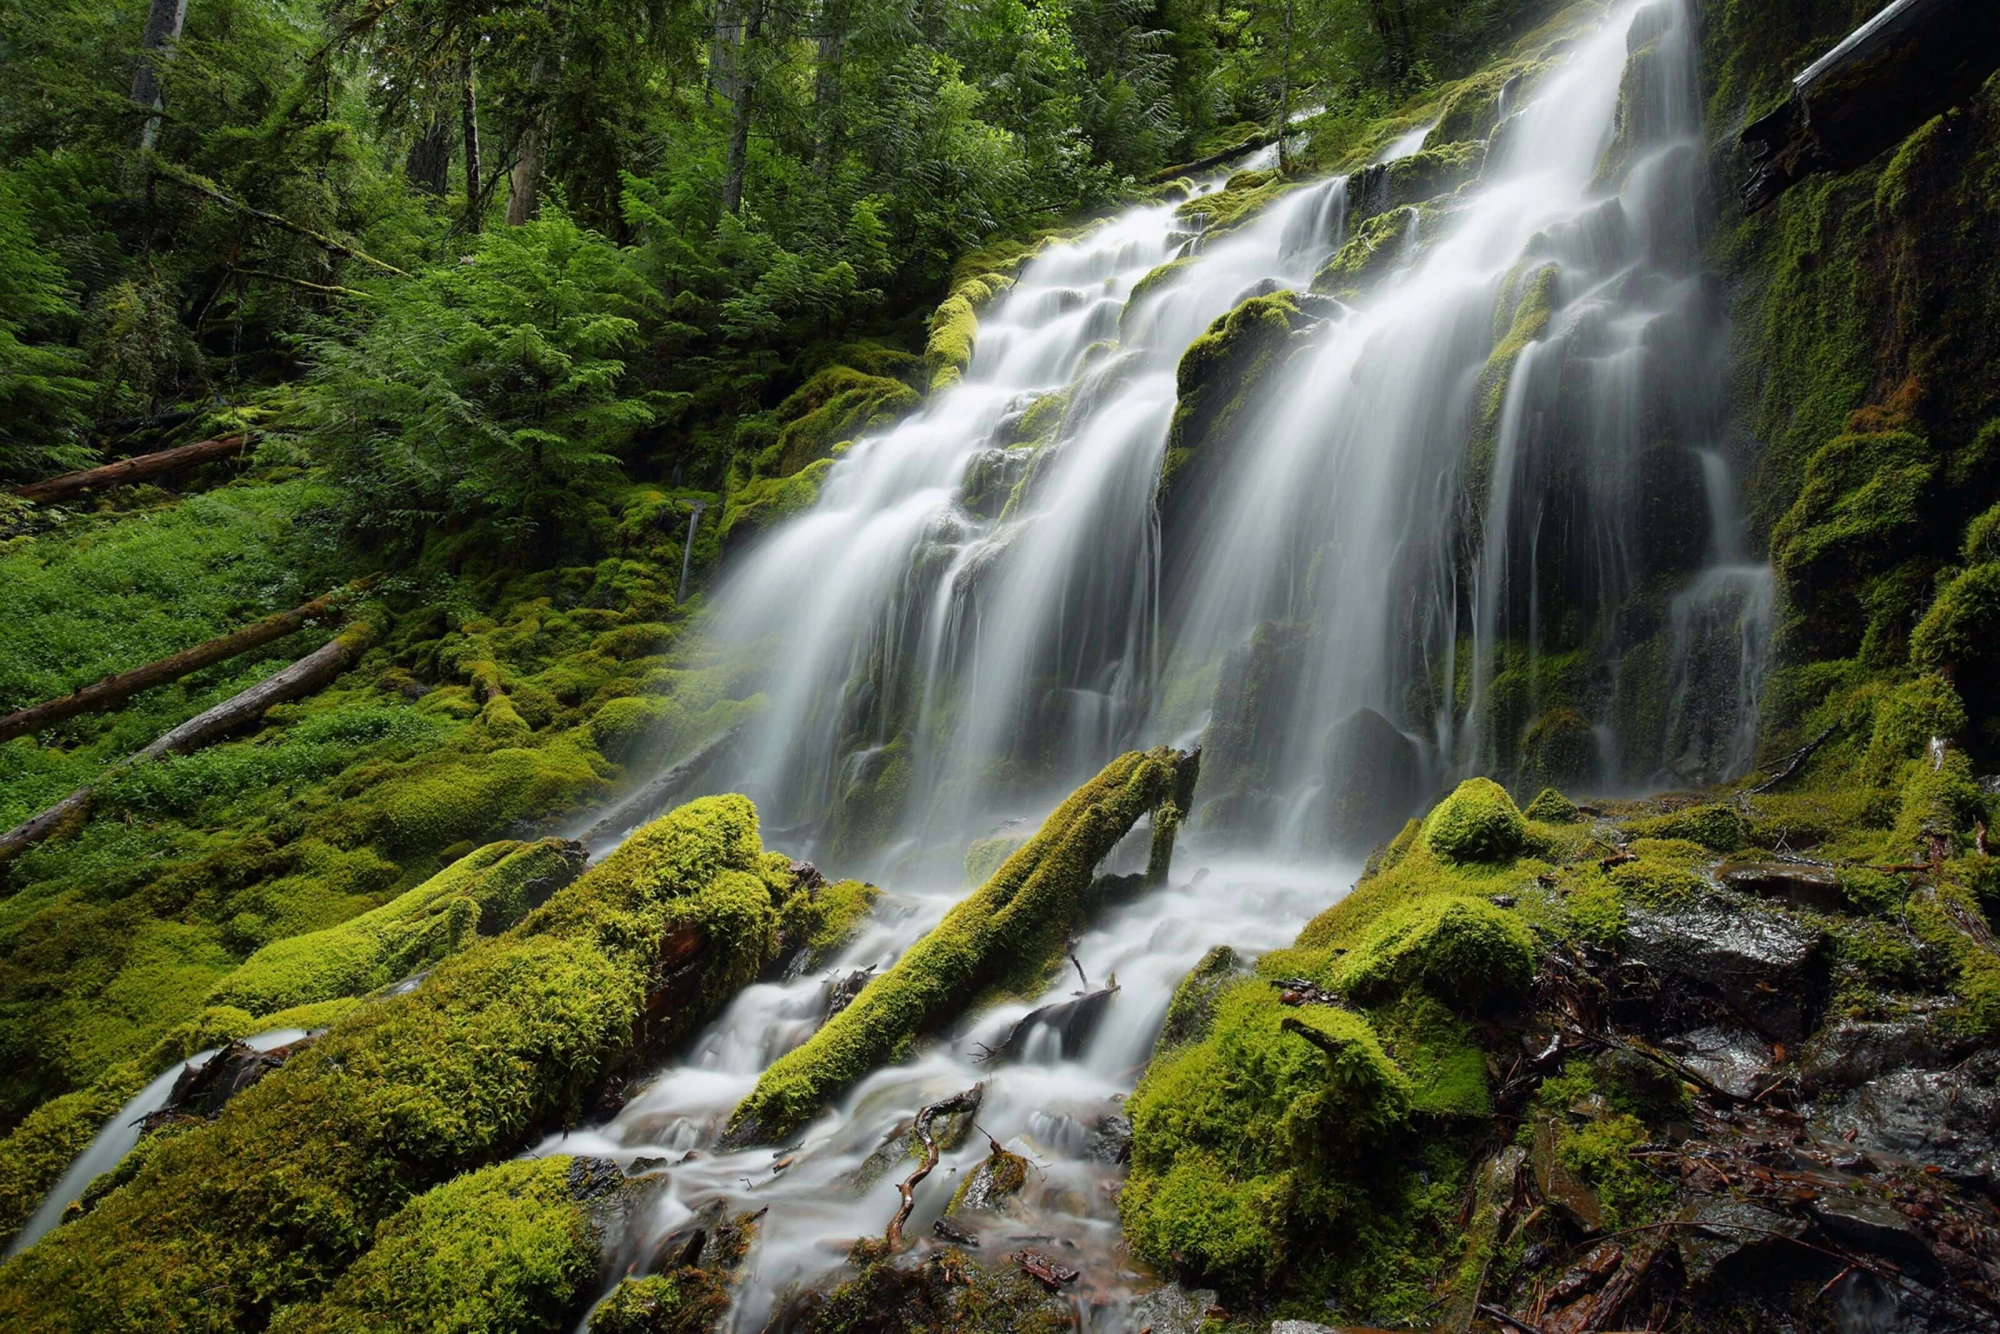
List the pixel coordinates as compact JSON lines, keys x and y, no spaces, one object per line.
{"x":1006,"y":936}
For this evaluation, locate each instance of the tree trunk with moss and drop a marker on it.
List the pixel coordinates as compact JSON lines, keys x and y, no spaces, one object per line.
{"x":1005,"y":937}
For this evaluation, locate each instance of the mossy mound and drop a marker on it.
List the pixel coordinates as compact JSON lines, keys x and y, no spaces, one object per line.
{"x":686,"y":1301}
{"x":482,"y":893}
{"x":1464,"y":950}
{"x":1217,"y":383}
{"x":270,"y":1203}
{"x":1477,"y":823}
{"x":510,"y":1249}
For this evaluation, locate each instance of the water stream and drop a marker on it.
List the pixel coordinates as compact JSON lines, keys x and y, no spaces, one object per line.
{"x":979,"y":612}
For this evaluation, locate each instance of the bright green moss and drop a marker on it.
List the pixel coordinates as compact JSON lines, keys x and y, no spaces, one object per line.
{"x":1963,"y":624}
{"x":832,"y":408}
{"x":1371,"y":251}
{"x":1435,"y":171}
{"x":987,"y":855}
{"x":686,"y":1301}
{"x":40,"y":1149}
{"x":1004,"y":936}
{"x":1906,"y":717}
{"x":1716,"y":826}
{"x":482,"y":893}
{"x":1224,"y":1130}
{"x":1477,"y":823}
{"x":1216,"y":383}
{"x":762,"y":501}
{"x":1435,"y":1049}
{"x":821,"y":923}
{"x":1463,"y":950}
{"x":1241,"y":198}
{"x":1159,"y":279}
{"x":954,"y":331}
{"x":505,"y":1250}
{"x":1528,"y":302}
{"x":271,"y":1202}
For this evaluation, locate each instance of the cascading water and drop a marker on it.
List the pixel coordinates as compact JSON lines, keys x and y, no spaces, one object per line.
{"x":1479,"y":518}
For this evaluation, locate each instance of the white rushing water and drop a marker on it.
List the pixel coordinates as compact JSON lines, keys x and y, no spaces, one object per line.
{"x":967,"y":624}
{"x":119,"y":1134}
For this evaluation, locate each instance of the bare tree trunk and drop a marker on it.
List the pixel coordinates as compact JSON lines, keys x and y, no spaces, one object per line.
{"x":1285,"y":88}
{"x":742,"y":102}
{"x":163,"y":27}
{"x":429,"y":163}
{"x":303,"y":677}
{"x":469,"y":110}
{"x":522,"y":205}
{"x":826,"y":85}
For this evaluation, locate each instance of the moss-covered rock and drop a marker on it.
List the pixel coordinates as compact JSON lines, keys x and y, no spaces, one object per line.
{"x":1006,"y":936}
{"x":1464,"y":950}
{"x":270,"y":1203}
{"x":482,"y":893}
{"x":762,"y":501}
{"x":686,"y":1301}
{"x":510,"y":1249}
{"x":1552,"y":807}
{"x":1477,"y":823}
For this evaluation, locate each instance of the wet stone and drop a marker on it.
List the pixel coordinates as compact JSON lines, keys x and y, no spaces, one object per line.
{"x":203,"y":1090}
{"x":1561,"y":1187}
{"x":1110,"y":1140}
{"x":1732,"y":1058}
{"x":1054,"y":1032}
{"x":1870,"y":1226}
{"x":1173,"y":1309}
{"x":1767,"y":970}
{"x":1848,"y":1053}
{"x":1815,"y":888}
{"x":1736,"y":1245}
{"x":1949,"y":1119}
{"x":993,"y":1185}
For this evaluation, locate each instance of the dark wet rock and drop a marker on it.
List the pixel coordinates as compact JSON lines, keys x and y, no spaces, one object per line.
{"x":841,"y":991}
{"x":641,"y":1165}
{"x":1250,"y":733}
{"x":1110,"y":1140}
{"x":202,"y":1091}
{"x":1562,"y":1188}
{"x":1849,"y":1052}
{"x":1766,"y":969}
{"x":1173,"y":1309}
{"x":992,"y":1186}
{"x":1731,"y":1057}
{"x":957,"y":1235}
{"x":1736,"y":1245}
{"x":1796,"y":885}
{"x":1192,"y":1008}
{"x":1856,"y":1222}
{"x":1948,"y":1119}
{"x":1301,"y":1327}
{"x":1054,"y":1032}
{"x":593,"y":1178}
{"x":1375,"y":780}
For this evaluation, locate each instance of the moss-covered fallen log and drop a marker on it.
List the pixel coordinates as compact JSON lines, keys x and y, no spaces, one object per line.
{"x":1006,"y":936}
{"x":137,"y":468}
{"x":112,"y":691}
{"x":268,"y":1205}
{"x":303,"y":677}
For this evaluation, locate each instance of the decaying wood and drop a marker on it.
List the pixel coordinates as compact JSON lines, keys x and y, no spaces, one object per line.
{"x":134,"y":468}
{"x":1913,"y":60}
{"x":115,"y":690}
{"x":1793,"y":762}
{"x":1250,"y":145}
{"x":957,"y":1102}
{"x":303,"y":677}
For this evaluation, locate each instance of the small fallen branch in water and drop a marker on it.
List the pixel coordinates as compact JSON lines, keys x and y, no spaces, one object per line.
{"x":957,"y":1102}
{"x":1044,"y":1269}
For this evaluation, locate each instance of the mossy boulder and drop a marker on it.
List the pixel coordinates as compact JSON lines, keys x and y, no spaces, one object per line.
{"x":1478,"y":822}
{"x":1552,"y":807}
{"x":763,"y":501}
{"x":1217,"y":383}
{"x":509,"y":1249}
{"x":831,"y":408}
{"x":1371,"y":250}
{"x":1558,"y":749}
{"x":685,"y":1301}
{"x":1465,"y":951}
{"x":1374,"y":780}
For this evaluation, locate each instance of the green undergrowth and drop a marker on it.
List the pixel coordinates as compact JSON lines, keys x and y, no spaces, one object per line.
{"x":1004,"y":938}
{"x":271,"y":1203}
{"x":492,"y":704}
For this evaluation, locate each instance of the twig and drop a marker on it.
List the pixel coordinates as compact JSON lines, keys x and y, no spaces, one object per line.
{"x":323,"y":289}
{"x":1792,"y":763}
{"x":1079,"y":971}
{"x":187,"y":180}
{"x":1488,"y":1309}
{"x":957,"y":1102}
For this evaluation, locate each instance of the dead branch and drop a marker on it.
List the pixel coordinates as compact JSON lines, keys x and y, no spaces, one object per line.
{"x":189,"y":181}
{"x":957,"y":1102}
{"x":1792,"y":763}
{"x":132,"y":469}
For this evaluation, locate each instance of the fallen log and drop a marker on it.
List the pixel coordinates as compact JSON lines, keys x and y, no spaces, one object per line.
{"x":1008,"y":935}
{"x":303,"y":677}
{"x":187,"y":180}
{"x":1179,"y":169}
{"x":135,"y":468}
{"x":115,"y":690}
{"x":1912,"y":61}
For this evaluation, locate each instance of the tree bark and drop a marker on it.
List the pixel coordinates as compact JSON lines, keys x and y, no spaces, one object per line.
{"x":115,"y":690}
{"x":1285,"y":88}
{"x":163,"y":27}
{"x":428,"y":166}
{"x":303,"y":677}
{"x":469,"y":134}
{"x":1912,"y":61}
{"x":742,"y":105}
{"x":132,"y":469}
{"x":522,"y":205}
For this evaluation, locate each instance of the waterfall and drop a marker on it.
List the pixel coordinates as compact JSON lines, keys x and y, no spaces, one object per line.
{"x":1476,"y":515}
